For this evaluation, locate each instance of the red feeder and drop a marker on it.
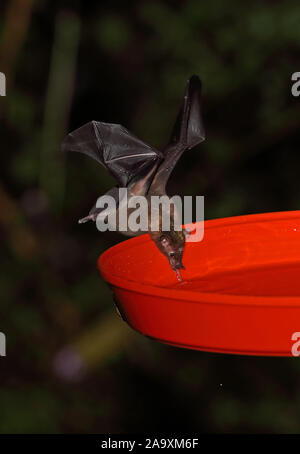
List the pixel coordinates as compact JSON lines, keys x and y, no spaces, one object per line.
{"x":241,"y":289}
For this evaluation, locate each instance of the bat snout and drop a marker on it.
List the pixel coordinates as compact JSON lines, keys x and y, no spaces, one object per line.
{"x":176,"y":262}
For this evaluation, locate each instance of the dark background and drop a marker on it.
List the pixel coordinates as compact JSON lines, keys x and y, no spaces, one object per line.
{"x":127,"y":62}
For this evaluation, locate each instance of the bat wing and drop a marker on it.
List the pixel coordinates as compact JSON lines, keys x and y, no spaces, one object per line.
{"x":187,"y":133}
{"x":123,"y":154}
{"x":189,"y":129}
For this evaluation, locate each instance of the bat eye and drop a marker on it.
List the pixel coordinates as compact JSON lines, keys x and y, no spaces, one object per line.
{"x":172,"y":254}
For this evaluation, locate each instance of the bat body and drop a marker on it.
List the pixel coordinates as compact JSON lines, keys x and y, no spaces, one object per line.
{"x":142,"y":169}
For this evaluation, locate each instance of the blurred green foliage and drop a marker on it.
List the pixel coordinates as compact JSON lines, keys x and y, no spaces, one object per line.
{"x":132,"y":61}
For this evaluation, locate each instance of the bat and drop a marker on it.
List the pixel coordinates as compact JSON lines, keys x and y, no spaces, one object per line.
{"x":142,"y":169}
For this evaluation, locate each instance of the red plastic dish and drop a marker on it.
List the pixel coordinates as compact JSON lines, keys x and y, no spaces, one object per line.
{"x":241,"y":290}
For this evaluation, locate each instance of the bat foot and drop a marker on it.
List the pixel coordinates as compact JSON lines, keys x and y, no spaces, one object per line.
{"x":90,"y":217}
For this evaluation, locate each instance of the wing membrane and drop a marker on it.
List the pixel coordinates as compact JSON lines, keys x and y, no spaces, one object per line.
{"x":123,"y":154}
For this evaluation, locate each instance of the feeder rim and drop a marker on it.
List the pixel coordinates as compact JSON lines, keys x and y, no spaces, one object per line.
{"x":190,"y":296}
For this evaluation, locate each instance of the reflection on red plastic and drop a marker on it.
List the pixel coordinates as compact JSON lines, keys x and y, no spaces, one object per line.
{"x":241,"y":289}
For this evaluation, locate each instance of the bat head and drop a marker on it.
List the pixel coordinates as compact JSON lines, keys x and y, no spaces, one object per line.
{"x":172,"y":247}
